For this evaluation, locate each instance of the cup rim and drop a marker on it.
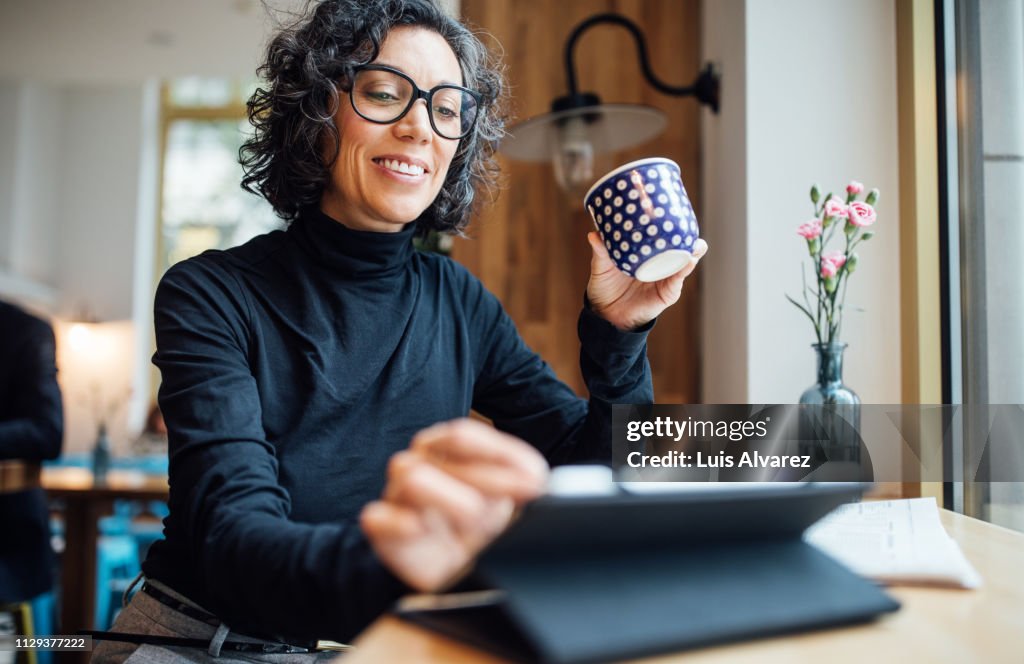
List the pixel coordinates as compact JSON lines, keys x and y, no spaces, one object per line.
{"x":627,"y":167}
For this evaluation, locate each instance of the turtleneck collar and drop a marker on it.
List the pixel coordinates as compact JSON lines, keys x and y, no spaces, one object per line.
{"x":350,"y":252}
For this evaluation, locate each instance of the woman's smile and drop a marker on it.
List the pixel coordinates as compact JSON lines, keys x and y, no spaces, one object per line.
{"x":409,"y":167}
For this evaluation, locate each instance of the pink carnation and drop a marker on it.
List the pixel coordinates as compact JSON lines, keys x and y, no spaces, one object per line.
{"x":828,"y":269}
{"x":810,"y":230}
{"x":835,"y":208}
{"x":837,"y":258}
{"x":861,"y":214}
{"x":854,"y":188}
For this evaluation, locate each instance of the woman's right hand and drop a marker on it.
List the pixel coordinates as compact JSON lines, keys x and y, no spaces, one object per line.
{"x":449,"y":495}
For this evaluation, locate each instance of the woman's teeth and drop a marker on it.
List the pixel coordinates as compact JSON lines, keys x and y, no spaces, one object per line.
{"x":401,"y":167}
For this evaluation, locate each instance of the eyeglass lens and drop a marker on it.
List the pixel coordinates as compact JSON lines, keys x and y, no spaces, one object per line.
{"x":383,"y":96}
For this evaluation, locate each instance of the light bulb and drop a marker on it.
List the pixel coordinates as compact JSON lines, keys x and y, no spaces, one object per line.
{"x":573,"y":156}
{"x":80,"y":337}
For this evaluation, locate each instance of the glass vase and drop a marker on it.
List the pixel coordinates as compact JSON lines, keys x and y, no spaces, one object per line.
{"x":101,"y":457}
{"x":830,"y":388}
{"x":830,"y":421}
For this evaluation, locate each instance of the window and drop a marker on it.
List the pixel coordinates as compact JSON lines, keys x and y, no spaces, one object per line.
{"x":202,"y":203}
{"x":981,"y":120}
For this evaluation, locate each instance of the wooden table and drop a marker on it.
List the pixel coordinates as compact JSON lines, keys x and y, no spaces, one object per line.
{"x":84,"y":503}
{"x":934,"y":625}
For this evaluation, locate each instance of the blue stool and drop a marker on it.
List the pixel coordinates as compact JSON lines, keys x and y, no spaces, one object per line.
{"x":44,"y":617}
{"x":117,"y":562}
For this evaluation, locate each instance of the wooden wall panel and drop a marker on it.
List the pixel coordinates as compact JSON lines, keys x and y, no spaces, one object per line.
{"x":529,"y":247}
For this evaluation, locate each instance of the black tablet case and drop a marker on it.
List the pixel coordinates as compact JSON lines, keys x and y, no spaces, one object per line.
{"x":605,"y":578}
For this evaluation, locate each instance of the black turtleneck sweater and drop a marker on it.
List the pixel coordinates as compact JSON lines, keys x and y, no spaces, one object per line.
{"x":293,"y":367}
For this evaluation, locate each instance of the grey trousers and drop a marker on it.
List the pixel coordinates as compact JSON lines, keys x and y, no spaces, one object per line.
{"x":145,"y":615}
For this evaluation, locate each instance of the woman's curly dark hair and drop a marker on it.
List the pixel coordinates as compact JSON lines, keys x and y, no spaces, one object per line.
{"x":309,"y":63}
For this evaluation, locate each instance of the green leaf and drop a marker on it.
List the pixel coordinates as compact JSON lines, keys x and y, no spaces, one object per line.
{"x":806,"y":312}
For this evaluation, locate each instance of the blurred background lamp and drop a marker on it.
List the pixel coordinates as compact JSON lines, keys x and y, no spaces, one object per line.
{"x":96,"y":365}
{"x":579,"y":126}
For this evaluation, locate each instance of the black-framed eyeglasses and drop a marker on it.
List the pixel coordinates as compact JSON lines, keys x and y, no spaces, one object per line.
{"x":384,"y":95}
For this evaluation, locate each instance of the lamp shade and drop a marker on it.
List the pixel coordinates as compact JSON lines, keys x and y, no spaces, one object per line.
{"x":608,"y":127}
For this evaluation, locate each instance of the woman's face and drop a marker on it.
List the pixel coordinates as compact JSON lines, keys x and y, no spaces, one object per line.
{"x":363,"y":193}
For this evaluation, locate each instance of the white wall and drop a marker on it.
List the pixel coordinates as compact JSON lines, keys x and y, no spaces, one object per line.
{"x":38,"y":157}
{"x":818,"y":105}
{"x":20,"y":248}
{"x":99,"y":189}
{"x":29,"y":145}
{"x":69,"y":192}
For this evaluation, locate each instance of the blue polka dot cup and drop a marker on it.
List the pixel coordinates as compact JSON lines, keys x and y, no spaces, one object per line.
{"x":645,"y":218}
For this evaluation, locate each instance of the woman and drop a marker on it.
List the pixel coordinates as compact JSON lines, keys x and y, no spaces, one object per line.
{"x":315,"y":379}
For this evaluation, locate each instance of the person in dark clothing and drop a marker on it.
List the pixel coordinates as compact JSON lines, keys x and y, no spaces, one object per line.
{"x":316,"y":380}
{"x":31,"y":431}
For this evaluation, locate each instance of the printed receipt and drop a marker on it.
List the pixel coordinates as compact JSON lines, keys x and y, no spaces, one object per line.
{"x":894,"y":542}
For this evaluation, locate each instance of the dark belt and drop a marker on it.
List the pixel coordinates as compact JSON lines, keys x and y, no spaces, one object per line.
{"x":266,"y":648}
{"x":202,"y":644}
{"x":179,"y":606}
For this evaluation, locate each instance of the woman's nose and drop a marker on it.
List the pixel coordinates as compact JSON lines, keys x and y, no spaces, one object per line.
{"x":415,"y":124}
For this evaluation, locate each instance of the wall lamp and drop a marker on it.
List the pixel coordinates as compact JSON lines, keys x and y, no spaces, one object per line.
{"x":580,"y":126}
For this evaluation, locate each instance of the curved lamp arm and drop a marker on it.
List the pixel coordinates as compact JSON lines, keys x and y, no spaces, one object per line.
{"x":705,"y":88}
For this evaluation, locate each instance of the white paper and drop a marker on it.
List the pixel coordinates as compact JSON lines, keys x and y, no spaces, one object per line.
{"x":894,"y":542}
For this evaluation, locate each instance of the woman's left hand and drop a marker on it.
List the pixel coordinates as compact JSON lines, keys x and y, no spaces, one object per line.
{"x":626,"y":302}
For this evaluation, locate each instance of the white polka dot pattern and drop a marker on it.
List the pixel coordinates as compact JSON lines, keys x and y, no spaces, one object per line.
{"x":626,"y":203}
